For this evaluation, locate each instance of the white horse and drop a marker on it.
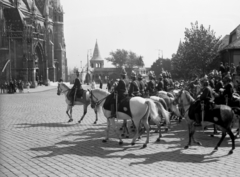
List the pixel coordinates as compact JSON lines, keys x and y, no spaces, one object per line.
{"x":85,"y":101}
{"x":140,"y":108}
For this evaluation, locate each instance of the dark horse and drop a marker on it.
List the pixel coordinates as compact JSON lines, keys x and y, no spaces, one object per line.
{"x":221,"y":115}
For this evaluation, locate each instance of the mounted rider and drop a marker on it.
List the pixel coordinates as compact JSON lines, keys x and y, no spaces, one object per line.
{"x":76,"y":89}
{"x":165,"y":81}
{"x":121,"y":91}
{"x":134,"y":86}
{"x":141,"y":85}
{"x":228,"y":88}
{"x":160,"y":85}
{"x":206,"y":97}
{"x":151,"y":84}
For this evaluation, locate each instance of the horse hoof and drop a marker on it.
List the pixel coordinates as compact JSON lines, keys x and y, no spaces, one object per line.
{"x":70,"y":120}
{"x":200,"y":144}
{"x":127,"y":136}
{"x":144,"y":146}
{"x":158,"y":140}
{"x":104,"y":141}
{"x":120,"y":143}
{"x":95,"y":123}
{"x":230,"y":152}
{"x":212,"y":135}
{"x":79,"y":121}
{"x":186,"y":147}
{"x":132,"y":144}
{"x":215,"y":149}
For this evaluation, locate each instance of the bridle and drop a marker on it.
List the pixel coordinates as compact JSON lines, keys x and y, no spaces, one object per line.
{"x":60,"y":90}
{"x":98,"y":102}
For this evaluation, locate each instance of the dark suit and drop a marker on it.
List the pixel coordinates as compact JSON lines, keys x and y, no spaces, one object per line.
{"x":134,"y":89}
{"x":160,"y":85}
{"x":121,"y":89}
{"x":151,"y":87}
{"x":141,"y":87}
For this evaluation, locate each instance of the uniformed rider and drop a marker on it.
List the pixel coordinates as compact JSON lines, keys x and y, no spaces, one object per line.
{"x":120,"y":90}
{"x":151,"y":84}
{"x":228,"y":88}
{"x":76,"y":87}
{"x":207,"y":98}
{"x":141,"y":85}
{"x":134,"y":87}
{"x":160,"y":85}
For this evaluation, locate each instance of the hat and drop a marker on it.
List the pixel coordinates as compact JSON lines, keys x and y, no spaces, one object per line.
{"x":124,"y":73}
{"x":151,"y":74}
{"x":140,"y":76}
{"x":133,"y":74}
{"x":160,"y":75}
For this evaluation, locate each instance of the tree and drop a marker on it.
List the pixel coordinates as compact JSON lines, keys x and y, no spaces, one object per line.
{"x":161,"y":64}
{"x":124,"y":58}
{"x":198,"y":52}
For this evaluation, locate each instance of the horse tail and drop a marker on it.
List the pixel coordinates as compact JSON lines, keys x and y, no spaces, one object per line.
{"x":153,"y":113}
{"x":165,"y":113}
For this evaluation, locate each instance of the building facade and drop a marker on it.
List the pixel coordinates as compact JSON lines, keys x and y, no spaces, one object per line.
{"x":230,"y":47}
{"x":32,"y":43}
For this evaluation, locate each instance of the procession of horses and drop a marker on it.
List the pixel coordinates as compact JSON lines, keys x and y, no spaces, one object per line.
{"x":202,"y":101}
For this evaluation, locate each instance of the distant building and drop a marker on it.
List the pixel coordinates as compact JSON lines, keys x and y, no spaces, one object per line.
{"x":230,"y":47}
{"x":94,"y":69}
{"x":32,"y":37}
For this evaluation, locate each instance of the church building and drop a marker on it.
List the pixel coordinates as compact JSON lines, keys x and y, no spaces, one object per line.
{"x":32,"y":43}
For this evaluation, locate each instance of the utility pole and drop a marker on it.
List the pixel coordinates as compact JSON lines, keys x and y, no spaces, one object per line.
{"x":9,"y":54}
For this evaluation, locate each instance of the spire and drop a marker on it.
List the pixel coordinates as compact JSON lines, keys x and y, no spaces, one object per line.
{"x":46,"y":8}
{"x":179,"y":46}
{"x":96,"y":53}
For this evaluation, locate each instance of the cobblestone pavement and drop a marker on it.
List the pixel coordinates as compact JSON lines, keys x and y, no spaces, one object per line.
{"x":36,"y":140}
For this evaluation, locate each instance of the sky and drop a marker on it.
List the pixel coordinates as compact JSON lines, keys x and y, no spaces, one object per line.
{"x":150,"y":28}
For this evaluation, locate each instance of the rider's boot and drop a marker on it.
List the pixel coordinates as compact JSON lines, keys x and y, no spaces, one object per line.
{"x":113,"y":114}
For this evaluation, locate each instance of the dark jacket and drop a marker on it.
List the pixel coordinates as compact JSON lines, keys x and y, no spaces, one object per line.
{"x":160,"y":86}
{"x":141,"y":87}
{"x":77,"y":84}
{"x":134,"y":89}
{"x":218,"y":86}
{"x":228,"y":90}
{"x":151,"y":87}
{"x":121,"y":87}
{"x":166,"y":84}
{"x":207,"y":95}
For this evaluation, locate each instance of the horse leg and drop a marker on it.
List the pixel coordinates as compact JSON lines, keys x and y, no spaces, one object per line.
{"x":146,"y":125}
{"x":190,"y":134}
{"x":215,"y":132}
{"x":136,"y":123}
{"x":229,"y":131}
{"x":160,"y":133}
{"x":107,"y":131}
{"x":127,"y":136}
{"x":84,"y":113}
{"x":116,"y":131}
{"x":96,"y":113}
{"x":69,"y":115}
{"x":222,"y":138}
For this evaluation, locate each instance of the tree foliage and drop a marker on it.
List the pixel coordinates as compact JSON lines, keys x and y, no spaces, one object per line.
{"x":161,"y":64}
{"x":197,"y":53}
{"x":125,"y":58}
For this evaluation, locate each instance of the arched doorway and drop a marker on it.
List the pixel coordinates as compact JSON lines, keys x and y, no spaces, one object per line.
{"x":39,"y":64}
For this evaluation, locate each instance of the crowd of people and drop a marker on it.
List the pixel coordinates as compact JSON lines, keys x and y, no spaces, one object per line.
{"x":13,"y":86}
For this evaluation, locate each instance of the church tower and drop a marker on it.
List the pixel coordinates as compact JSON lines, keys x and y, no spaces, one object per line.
{"x":96,"y":60}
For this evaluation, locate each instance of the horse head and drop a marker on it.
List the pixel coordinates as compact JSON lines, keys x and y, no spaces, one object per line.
{"x":97,"y":96}
{"x":61,"y":88}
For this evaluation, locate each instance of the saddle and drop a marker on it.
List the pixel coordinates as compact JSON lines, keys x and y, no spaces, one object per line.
{"x":123,"y":105}
{"x":80,"y":95}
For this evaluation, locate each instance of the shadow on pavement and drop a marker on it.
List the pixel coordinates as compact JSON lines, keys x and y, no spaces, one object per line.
{"x":89,"y":143}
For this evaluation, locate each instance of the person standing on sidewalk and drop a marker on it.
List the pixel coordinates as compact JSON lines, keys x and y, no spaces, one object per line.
{"x":100,"y":83}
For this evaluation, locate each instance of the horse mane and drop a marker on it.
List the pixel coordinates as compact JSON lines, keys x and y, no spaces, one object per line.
{"x":189,"y":97}
{"x":101,"y":91}
{"x":64,"y":85}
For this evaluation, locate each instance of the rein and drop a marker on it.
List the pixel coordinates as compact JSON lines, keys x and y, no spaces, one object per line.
{"x":98,"y":102}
